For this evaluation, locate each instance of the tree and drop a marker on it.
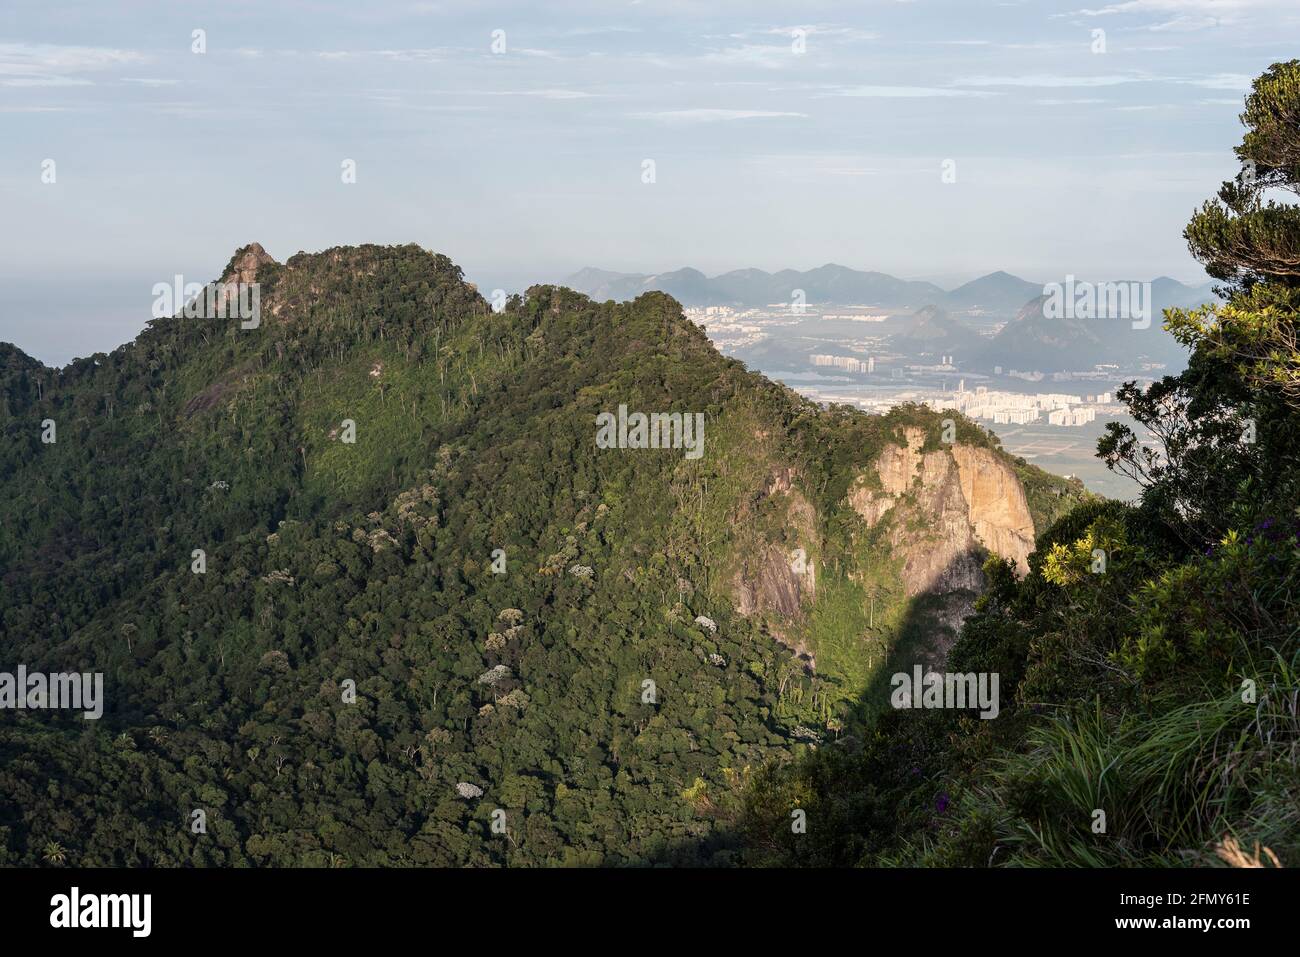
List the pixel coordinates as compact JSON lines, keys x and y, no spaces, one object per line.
{"x":1242,"y":238}
{"x":53,"y":853}
{"x":1225,"y":437}
{"x":1252,"y":242}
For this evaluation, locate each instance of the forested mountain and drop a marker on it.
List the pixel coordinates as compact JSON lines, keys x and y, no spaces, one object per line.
{"x":1029,"y":338}
{"x":1037,"y":338}
{"x":997,"y":292}
{"x":361,"y":577}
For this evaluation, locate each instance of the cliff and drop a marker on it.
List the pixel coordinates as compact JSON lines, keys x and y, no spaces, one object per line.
{"x":928,"y":521}
{"x":947,"y":509}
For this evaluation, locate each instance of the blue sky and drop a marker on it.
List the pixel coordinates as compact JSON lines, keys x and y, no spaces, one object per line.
{"x":526,"y":165}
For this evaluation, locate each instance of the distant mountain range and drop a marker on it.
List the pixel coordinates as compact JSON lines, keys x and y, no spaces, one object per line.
{"x":938,"y":321}
{"x":997,"y":293}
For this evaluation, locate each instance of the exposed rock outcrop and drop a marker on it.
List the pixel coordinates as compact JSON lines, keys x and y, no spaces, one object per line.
{"x":941,"y":512}
{"x":944,"y":511}
{"x":999,"y":511}
{"x":772,"y":582}
{"x":947,"y":507}
{"x":243,"y":267}
{"x":779,"y":578}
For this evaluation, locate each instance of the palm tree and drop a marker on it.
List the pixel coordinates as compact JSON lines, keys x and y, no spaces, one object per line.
{"x":54,"y":854}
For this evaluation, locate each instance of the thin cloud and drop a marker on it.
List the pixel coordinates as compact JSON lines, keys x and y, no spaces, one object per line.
{"x":904,"y":92}
{"x":1053,"y":80}
{"x":45,"y":81}
{"x":1223,"y":7}
{"x":1186,"y":24}
{"x":552,"y":94}
{"x":754,"y":54}
{"x":46,"y":64}
{"x":852,"y":34}
{"x":712,"y":116}
{"x":1182,"y":15}
{"x":1222,"y":81}
{"x":418,"y":55}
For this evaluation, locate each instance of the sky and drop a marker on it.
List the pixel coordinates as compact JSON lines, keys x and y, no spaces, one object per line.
{"x":937,"y":139}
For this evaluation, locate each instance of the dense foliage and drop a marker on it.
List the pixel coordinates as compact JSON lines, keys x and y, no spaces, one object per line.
{"x":392,"y":640}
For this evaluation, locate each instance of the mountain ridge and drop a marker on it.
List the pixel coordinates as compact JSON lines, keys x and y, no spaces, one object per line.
{"x":371,"y":561}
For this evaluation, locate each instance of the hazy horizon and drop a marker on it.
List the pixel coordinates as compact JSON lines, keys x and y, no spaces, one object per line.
{"x":777,"y":143}
{"x":58,"y":320}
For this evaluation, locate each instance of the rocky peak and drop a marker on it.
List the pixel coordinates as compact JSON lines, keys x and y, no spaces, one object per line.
{"x":245,"y":263}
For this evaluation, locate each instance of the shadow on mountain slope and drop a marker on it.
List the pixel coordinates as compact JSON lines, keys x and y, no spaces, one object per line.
{"x":865,"y":796}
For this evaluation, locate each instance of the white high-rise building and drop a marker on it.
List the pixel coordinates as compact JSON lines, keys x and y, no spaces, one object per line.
{"x":847,"y":363}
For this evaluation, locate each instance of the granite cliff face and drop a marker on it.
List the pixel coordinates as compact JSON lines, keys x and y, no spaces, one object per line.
{"x":947,"y":509}
{"x":244,"y":265}
{"x":941,"y":512}
{"x":999,"y":512}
